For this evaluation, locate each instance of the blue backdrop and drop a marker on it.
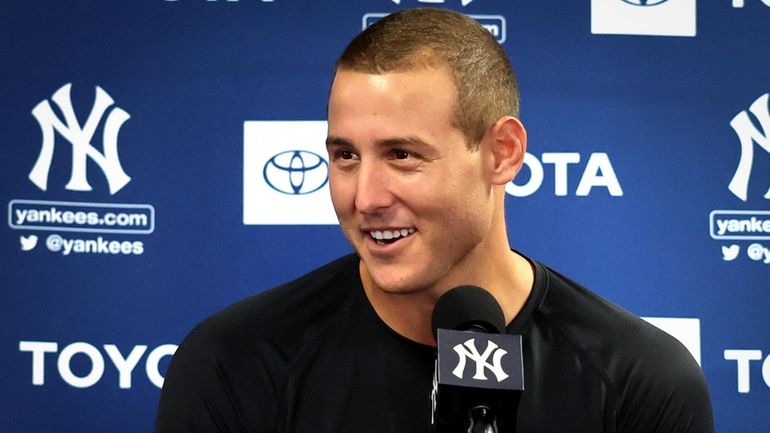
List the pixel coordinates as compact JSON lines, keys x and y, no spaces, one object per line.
{"x":145,"y":147}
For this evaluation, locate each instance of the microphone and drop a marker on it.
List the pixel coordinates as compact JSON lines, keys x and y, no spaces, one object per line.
{"x":479,"y":373}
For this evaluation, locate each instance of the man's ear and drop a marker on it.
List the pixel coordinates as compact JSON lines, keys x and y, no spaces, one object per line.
{"x":506,"y":142}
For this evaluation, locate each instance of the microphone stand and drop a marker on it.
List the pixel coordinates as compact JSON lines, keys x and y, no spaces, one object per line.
{"x":481,"y":419}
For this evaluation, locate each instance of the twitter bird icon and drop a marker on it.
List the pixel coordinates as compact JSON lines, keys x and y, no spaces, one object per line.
{"x":28,"y":242}
{"x":730,"y":253}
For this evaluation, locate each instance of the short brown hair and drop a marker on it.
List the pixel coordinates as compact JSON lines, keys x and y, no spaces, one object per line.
{"x":434,"y":38}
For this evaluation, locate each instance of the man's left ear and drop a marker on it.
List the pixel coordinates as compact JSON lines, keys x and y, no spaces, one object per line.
{"x":506,"y":142}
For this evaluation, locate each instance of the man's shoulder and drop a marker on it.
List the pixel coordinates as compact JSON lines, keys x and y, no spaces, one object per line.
{"x":642,"y":366}
{"x":241,"y":357}
{"x":603,"y":329}
{"x":283,"y":315}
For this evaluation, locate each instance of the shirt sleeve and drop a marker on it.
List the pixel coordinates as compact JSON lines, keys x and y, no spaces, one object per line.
{"x":216,"y":383}
{"x":666,"y":394}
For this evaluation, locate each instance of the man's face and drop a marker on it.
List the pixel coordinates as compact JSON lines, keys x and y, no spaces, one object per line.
{"x":409,"y":195}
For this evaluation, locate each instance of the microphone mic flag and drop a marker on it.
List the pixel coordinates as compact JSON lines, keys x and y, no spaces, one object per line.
{"x":479,"y":374}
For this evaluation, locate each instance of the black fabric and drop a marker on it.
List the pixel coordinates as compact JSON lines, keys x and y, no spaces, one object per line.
{"x":313,"y":356}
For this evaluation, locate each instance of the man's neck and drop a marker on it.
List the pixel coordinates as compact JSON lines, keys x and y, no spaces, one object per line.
{"x":509,"y":280}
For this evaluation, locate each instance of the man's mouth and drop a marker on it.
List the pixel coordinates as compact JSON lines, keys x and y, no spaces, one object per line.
{"x":384,"y":237}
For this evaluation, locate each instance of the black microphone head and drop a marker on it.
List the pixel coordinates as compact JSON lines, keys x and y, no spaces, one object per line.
{"x":468,"y":308}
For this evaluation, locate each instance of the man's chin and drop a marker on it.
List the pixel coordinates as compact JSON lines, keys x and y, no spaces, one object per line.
{"x":394,"y":278}
{"x":396,"y":287}
{"x":402,"y":291}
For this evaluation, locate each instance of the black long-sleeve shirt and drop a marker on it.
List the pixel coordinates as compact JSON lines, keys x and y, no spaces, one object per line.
{"x":313,"y":356}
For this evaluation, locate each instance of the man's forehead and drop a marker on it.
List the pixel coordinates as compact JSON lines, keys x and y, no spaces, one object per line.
{"x":418,"y":103}
{"x":438,"y":69}
{"x":438,"y":83}
{"x":422,"y":57}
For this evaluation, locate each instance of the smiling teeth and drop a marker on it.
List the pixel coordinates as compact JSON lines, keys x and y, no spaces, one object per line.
{"x":390,"y":234}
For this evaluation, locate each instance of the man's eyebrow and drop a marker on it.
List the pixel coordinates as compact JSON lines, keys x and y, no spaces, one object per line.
{"x":401,"y":141}
{"x":337,"y":141}
{"x":387,"y":142}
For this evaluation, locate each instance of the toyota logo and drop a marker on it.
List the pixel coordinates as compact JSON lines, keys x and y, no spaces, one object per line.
{"x":296,"y":172}
{"x":644,"y":2}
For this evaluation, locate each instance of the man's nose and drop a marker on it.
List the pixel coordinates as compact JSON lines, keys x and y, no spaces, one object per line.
{"x":373,"y":188}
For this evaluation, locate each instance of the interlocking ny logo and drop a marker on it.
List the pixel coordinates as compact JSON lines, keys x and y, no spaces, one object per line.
{"x":468,"y":350}
{"x":80,"y":138}
{"x":748,"y":134}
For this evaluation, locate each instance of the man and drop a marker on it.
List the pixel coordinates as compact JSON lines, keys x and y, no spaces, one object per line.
{"x":423,"y":137}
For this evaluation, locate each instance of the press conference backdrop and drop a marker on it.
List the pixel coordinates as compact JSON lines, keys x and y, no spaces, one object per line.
{"x":163,"y":159}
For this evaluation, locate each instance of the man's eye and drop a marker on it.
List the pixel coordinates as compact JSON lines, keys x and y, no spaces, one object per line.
{"x":345,"y":154}
{"x":400,"y":154}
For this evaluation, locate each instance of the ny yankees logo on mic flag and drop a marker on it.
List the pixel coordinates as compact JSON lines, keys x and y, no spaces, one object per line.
{"x":466,"y":358}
